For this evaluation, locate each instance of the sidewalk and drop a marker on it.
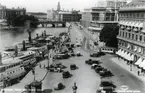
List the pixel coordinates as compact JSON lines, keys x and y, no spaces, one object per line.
{"x":134,"y":70}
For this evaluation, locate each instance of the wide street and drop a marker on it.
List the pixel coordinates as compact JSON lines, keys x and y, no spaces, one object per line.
{"x":87,"y":79}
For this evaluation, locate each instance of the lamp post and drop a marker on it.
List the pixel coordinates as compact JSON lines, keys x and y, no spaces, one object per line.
{"x":131,"y":65}
{"x":49,"y":47}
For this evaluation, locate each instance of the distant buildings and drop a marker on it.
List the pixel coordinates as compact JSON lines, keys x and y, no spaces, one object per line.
{"x":71,"y":16}
{"x":39,"y":15}
{"x":95,"y":18}
{"x":7,"y":13}
{"x":62,"y":15}
{"x":131,"y":38}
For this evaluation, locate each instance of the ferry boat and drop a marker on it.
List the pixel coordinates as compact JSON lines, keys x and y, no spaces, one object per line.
{"x":15,"y":68}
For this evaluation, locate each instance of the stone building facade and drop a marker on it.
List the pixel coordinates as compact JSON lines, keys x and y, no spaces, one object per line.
{"x":131,"y":38}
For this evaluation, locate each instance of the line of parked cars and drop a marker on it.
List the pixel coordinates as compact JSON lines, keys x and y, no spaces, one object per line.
{"x":98,"y":54}
{"x":106,"y":86}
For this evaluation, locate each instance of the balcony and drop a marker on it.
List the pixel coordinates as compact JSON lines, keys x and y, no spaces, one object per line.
{"x":131,"y":51}
{"x":132,"y":41}
{"x":133,"y":8}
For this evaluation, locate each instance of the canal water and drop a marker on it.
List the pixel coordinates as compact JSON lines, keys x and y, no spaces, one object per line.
{"x":9,"y":37}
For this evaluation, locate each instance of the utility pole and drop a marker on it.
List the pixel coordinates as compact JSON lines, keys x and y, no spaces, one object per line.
{"x":116,"y":14}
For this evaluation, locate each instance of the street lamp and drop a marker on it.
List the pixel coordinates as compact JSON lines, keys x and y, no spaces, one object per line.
{"x":49,"y":47}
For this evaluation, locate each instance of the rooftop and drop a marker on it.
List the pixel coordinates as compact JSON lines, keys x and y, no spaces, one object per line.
{"x":135,"y":5}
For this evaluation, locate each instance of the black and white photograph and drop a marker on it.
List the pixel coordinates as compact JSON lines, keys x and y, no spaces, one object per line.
{"x":72,"y":46}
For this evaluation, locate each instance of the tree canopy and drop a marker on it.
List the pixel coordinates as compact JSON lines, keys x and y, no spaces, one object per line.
{"x":21,"y":19}
{"x":109,"y":35}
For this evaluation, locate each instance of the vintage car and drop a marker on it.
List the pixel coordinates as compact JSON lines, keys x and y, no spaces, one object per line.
{"x":78,"y":54}
{"x":73,"y":67}
{"x":66,"y":74}
{"x":59,"y":86}
{"x":91,"y":61}
{"x":97,"y":69}
{"x":107,"y":86}
{"x":62,"y":56}
{"x":105,"y":73}
{"x":97,"y":54}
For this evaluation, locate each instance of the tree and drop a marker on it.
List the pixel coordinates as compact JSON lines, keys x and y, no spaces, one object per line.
{"x":21,"y":19}
{"x":109,"y":35}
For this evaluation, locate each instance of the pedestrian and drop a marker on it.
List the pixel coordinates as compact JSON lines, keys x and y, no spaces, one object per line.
{"x":138,"y":72}
{"x":40,"y":65}
{"x":74,"y":88}
{"x":44,"y":66}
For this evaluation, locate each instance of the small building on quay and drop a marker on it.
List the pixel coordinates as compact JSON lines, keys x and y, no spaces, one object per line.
{"x":131,"y":38}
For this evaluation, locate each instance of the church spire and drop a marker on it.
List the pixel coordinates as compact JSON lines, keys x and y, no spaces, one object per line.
{"x":58,"y":7}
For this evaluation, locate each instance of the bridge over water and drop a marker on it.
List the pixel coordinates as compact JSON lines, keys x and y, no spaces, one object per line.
{"x":53,"y":23}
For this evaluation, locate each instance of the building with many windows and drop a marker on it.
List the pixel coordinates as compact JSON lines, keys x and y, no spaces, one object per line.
{"x":6,"y":12}
{"x":71,"y":16}
{"x":97,"y":17}
{"x":131,"y":38}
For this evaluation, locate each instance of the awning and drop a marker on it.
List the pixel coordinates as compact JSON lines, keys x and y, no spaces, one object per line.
{"x":138,"y":61}
{"x":121,"y":22}
{"x":122,"y":27}
{"x":140,"y":24}
{"x":125,"y":55}
{"x":118,"y":52}
{"x":142,"y":63}
{"x":95,"y":28}
{"x":132,"y":57}
{"x":135,"y":29}
{"x":139,"y":49}
{"x":129,"y":57}
{"x":135,"y":48}
{"x":134,"y":24}
{"x":128,"y":46}
{"x":128,"y":28}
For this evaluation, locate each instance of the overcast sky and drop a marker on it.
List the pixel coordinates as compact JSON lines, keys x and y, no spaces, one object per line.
{"x":43,"y":5}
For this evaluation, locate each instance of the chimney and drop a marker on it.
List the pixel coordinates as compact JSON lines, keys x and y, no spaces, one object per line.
{"x":29,"y":33}
{"x":0,"y":59}
{"x":16,"y":51}
{"x":24,"y":45}
{"x":44,"y":32}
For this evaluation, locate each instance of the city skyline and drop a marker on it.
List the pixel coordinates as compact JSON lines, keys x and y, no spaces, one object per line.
{"x":37,"y":4}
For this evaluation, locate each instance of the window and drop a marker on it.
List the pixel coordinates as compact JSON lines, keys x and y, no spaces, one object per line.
{"x":129,"y":35}
{"x":132,"y":36}
{"x":140,"y":38}
{"x":136,"y":37}
{"x":123,"y":34}
{"x":126,"y":35}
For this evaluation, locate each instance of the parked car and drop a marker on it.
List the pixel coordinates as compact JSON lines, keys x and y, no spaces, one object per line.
{"x":107,"y":86}
{"x":78,"y":54}
{"x":107,"y":83}
{"x":97,"y":69}
{"x":73,"y":67}
{"x":62,"y":56}
{"x":90,"y":61}
{"x":66,"y":74}
{"x":97,"y":54}
{"x":94,"y":65}
{"x":105,"y":74}
{"x":53,"y":69}
{"x":61,"y":66}
{"x":59,"y":86}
